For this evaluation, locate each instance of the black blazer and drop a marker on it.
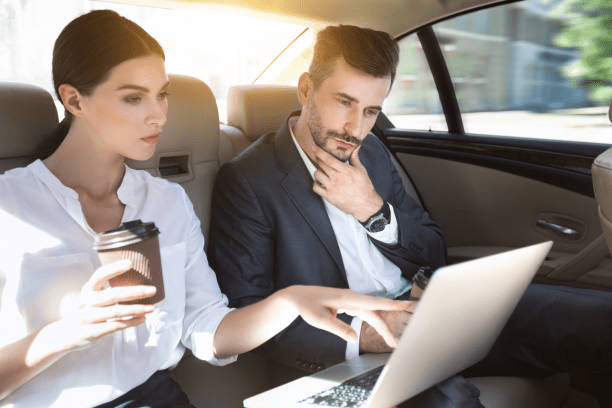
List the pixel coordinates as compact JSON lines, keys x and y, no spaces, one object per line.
{"x":269,"y":230}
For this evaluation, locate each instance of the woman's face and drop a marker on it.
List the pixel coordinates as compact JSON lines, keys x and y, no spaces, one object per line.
{"x":125,"y":114}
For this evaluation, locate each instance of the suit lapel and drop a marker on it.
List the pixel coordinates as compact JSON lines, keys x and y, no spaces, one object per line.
{"x":298,"y":185}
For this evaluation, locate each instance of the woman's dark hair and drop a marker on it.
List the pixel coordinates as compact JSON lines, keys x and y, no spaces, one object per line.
{"x":85,"y":52}
{"x":373,"y":52}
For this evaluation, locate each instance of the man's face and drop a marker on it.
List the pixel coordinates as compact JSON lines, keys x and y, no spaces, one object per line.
{"x":343,"y":109}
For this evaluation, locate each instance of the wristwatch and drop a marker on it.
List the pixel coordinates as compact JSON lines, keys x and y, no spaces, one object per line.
{"x":379,"y":220}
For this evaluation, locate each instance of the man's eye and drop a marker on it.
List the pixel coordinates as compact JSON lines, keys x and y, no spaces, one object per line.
{"x":345,"y":102}
{"x":163,"y":95}
{"x":371,"y":112}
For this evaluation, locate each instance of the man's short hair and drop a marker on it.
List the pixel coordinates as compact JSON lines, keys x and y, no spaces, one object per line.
{"x":373,"y":52}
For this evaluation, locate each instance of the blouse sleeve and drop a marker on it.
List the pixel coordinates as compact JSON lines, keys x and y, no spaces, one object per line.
{"x":205,"y":305}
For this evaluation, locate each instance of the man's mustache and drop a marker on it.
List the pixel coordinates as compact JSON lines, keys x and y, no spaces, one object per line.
{"x":343,"y":136}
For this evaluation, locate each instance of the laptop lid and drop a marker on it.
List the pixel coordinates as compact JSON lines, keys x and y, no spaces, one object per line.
{"x":455,"y":324}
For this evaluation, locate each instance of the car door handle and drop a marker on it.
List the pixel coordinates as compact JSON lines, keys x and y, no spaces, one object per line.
{"x":560,"y":230}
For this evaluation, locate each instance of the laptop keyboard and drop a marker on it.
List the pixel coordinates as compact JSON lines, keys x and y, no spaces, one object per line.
{"x":351,"y":393}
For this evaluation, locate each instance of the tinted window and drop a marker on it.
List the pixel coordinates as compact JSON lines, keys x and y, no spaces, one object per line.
{"x":414,"y":102}
{"x":521,"y":70}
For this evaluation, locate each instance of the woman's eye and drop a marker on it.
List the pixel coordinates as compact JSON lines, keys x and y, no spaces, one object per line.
{"x":163,"y":95}
{"x":132,"y":99}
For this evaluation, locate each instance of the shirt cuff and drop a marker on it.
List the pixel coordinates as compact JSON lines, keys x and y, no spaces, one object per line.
{"x":390,"y":234}
{"x":352,"y":347}
{"x":202,"y":343}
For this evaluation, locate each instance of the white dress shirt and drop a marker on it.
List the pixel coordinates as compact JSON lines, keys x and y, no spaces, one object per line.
{"x":46,"y":256}
{"x":368,"y":271}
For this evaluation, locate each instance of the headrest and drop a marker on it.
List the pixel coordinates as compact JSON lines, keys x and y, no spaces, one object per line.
{"x":192,"y":129}
{"x":602,"y":185}
{"x":257,"y":109}
{"x":27,"y":115}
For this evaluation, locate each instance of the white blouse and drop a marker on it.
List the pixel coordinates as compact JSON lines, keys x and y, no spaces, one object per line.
{"x":46,"y":255}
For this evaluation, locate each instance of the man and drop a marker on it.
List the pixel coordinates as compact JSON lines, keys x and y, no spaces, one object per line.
{"x":354,"y":226}
{"x":272,"y":227}
{"x":320,"y":202}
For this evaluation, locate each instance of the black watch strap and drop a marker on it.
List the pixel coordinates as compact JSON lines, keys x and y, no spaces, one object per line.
{"x":379,"y":220}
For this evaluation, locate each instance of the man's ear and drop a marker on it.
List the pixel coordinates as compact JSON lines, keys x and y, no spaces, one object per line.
{"x":71,"y":99}
{"x":304,"y":88}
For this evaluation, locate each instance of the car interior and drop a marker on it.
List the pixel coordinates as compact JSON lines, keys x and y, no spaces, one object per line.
{"x":488,"y":193}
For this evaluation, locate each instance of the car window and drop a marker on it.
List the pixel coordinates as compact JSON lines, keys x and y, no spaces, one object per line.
{"x":222,"y":47}
{"x":535,"y":68}
{"x":414,"y":102}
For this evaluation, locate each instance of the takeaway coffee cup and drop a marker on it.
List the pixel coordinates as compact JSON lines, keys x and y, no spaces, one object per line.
{"x":138,"y":242}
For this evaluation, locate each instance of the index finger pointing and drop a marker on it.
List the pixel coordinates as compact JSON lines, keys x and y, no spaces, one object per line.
{"x":377,"y":303}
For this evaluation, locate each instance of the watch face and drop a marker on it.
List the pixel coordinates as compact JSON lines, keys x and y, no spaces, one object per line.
{"x":377,"y":225}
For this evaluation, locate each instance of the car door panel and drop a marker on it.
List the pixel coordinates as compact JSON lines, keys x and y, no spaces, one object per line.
{"x":489,"y":196}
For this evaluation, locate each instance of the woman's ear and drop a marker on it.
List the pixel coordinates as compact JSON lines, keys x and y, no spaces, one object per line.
{"x":304,"y":88}
{"x":71,"y":99}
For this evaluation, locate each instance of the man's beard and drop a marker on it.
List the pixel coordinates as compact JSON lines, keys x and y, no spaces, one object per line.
{"x":320,"y":137}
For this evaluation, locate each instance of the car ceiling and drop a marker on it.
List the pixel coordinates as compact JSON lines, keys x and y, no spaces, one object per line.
{"x":376,"y":14}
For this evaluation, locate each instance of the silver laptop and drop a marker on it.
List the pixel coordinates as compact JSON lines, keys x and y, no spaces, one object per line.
{"x":457,"y":320}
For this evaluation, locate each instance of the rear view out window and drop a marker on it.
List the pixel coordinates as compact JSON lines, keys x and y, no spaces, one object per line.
{"x":413,"y":102}
{"x":536,"y":68}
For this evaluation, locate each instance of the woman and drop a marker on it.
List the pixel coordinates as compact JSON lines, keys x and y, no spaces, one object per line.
{"x":65,"y":339}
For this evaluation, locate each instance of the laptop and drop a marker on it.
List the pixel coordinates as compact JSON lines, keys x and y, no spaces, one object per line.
{"x":458,"y":318}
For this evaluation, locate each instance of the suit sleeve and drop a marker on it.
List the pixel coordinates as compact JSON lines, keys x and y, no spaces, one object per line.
{"x":421,"y":241}
{"x":242,"y":252}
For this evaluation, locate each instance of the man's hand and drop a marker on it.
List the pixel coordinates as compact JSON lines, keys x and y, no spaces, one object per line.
{"x":371,"y":342}
{"x":346,"y":185}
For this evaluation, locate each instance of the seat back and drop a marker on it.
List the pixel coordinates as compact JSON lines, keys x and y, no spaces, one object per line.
{"x":602,"y":184}
{"x":27,"y":116}
{"x":258,"y":109}
{"x":188,"y":150}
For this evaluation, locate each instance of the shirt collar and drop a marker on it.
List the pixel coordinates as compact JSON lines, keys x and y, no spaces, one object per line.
{"x":309,"y":165}
{"x":130,"y":191}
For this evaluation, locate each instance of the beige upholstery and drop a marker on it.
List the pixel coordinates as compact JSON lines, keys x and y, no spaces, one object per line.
{"x":188,"y":151}
{"x":257,"y":109}
{"x":602,"y":184}
{"x":27,"y":115}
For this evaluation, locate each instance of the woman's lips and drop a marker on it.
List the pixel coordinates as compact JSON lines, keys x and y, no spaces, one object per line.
{"x":151,"y":139}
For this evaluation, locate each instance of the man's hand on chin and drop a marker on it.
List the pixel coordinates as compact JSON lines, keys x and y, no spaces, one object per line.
{"x":346,"y":185}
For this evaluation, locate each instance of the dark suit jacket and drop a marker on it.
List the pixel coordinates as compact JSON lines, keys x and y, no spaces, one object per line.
{"x":269,"y":230}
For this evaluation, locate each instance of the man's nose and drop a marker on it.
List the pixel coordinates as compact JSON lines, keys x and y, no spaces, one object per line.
{"x":353,"y":123}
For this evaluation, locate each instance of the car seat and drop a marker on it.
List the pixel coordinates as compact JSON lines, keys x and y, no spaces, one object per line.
{"x":602,"y":185}
{"x":188,"y":149}
{"x":28,"y":115}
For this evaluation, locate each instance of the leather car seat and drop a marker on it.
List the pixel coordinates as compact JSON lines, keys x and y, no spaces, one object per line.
{"x":601,"y":172}
{"x":602,"y":185}
{"x":188,"y":149}
{"x":28,"y":115}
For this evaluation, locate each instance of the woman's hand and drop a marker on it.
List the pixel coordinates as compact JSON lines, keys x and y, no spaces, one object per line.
{"x":96,"y":315}
{"x":319,"y":307}
{"x":98,"y":312}
{"x":248,"y":327}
